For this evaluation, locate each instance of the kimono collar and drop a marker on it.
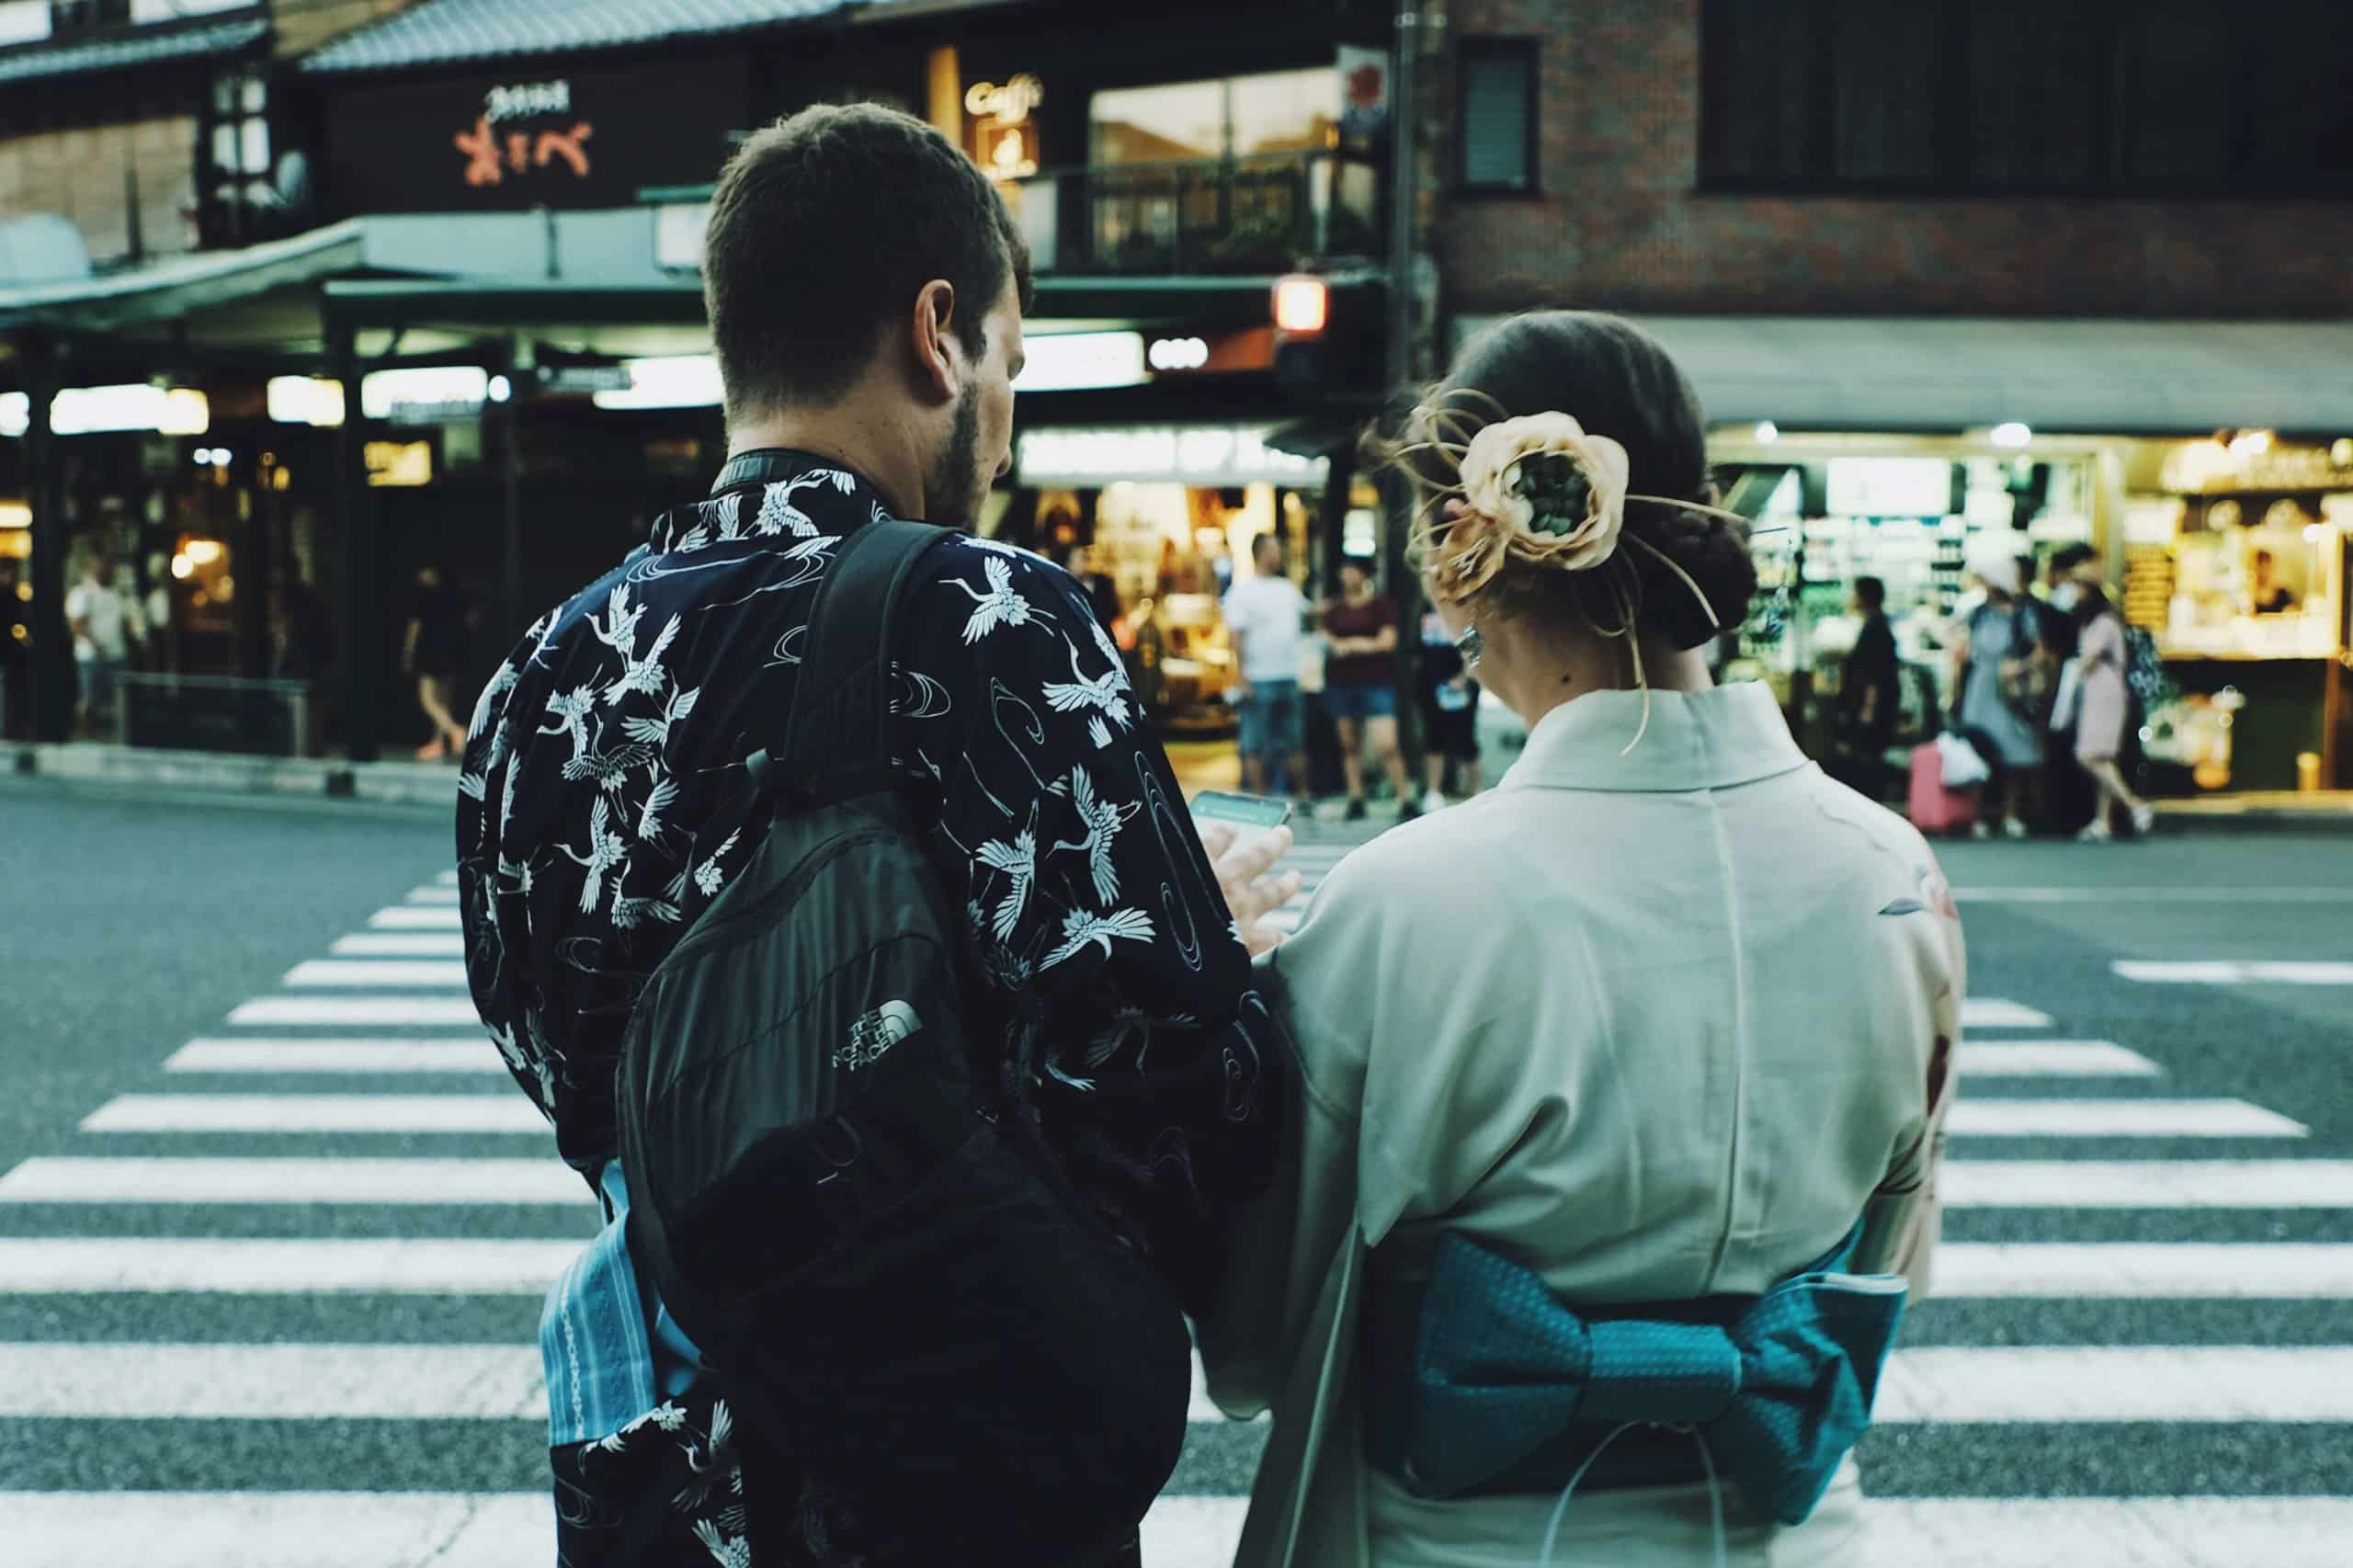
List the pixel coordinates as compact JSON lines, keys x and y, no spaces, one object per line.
{"x":775,"y":494}
{"x":1706,"y":740}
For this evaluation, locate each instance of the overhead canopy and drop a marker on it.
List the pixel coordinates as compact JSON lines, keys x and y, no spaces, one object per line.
{"x":147,"y":45}
{"x":1954,"y":373}
{"x":442,"y":32}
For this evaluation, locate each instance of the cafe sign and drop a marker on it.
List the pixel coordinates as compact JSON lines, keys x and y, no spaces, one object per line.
{"x":1001,"y":125}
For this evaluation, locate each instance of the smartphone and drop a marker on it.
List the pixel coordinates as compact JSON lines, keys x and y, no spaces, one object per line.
{"x":1253,"y":814}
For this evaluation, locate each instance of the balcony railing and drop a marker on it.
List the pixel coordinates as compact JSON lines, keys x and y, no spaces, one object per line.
{"x":1261,"y":213}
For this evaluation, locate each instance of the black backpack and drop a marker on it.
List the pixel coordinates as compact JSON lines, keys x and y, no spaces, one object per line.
{"x":845,"y":1200}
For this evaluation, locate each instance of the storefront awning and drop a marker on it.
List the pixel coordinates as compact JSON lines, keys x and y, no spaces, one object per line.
{"x":172,"y":290}
{"x":1953,"y":373}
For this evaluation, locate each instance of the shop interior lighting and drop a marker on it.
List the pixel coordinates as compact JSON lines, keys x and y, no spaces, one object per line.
{"x":1767,"y":432}
{"x":2012,"y":434}
{"x":1180,"y":353}
{"x":306,"y":399}
{"x":2251,"y":443}
{"x":2340,"y":452}
{"x":422,"y":384}
{"x":16,"y":415}
{"x":683,"y":380}
{"x":203,"y":551}
{"x":1303,"y":305}
{"x":173,"y":411}
{"x":16,"y":515}
{"x":1078,"y":361}
{"x":501,"y":389}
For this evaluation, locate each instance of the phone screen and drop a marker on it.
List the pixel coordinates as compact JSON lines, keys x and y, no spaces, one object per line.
{"x":1253,"y":814}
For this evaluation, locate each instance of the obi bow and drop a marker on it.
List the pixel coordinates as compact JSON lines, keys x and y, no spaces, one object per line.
{"x":1502,"y":1367}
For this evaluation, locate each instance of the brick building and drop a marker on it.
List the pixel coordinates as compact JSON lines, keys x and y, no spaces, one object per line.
{"x":1958,"y":277}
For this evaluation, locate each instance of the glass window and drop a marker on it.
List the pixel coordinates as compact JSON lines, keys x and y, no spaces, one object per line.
{"x":1885,"y":100}
{"x":1759,"y":60}
{"x":254,"y":145}
{"x":2303,"y":131}
{"x":2033,"y":91}
{"x":2176,"y":109}
{"x":1273,"y":111}
{"x":1496,"y":80}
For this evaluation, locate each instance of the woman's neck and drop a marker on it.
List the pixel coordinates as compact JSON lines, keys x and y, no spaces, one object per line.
{"x":1534,"y":673}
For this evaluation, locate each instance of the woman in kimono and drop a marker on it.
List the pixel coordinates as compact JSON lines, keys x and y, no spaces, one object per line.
{"x":1613,"y":1145}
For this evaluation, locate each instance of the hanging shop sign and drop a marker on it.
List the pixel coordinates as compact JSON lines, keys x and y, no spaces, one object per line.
{"x":1207,"y":456}
{"x":1001,"y":125}
{"x":1364,"y":97}
{"x":522,"y":140}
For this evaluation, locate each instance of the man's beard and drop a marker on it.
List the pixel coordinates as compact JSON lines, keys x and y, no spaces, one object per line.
{"x":955,"y":489}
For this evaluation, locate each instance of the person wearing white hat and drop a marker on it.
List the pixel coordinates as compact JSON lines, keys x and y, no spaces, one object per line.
{"x":1998,"y":660}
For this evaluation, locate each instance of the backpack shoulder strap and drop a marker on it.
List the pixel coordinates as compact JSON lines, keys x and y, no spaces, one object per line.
{"x":837,"y":737}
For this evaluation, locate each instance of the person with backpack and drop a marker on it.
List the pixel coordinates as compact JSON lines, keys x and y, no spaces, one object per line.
{"x":822,"y":886}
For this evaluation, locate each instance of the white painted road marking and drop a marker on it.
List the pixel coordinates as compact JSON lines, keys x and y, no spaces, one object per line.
{"x":2161,"y":1271}
{"x":447,"y":879}
{"x":402,"y":1529}
{"x":316,"y":1113}
{"x":2116,"y":1118}
{"x":2123,"y":897}
{"x":364,"y":972}
{"x":346,"y":1179}
{"x":47,"y":1265}
{"x":2231,"y":1382}
{"x":401,"y":944}
{"x":413,"y":919}
{"x":1993,"y":1013}
{"x":357,"y":1011}
{"x":2147,"y":1184}
{"x":432,"y":895}
{"x":476,"y":1056}
{"x":2054,"y":1058}
{"x":265,"y":1382}
{"x":2234,"y":972}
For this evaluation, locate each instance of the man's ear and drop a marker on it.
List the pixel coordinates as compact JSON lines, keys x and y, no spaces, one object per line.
{"x":938,"y":354}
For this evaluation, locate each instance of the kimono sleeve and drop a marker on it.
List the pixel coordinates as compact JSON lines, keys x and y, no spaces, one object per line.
{"x":1905,"y":1219}
{"x":1093,"y":906}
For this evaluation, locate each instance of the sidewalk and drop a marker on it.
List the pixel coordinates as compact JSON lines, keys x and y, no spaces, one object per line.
{"x":1197,"y":766}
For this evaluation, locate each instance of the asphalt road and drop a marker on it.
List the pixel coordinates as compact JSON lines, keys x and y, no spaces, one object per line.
{"x":174,"y":1335}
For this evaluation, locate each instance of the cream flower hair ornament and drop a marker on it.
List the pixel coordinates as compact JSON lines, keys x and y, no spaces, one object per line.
{"x":1540,"y":487}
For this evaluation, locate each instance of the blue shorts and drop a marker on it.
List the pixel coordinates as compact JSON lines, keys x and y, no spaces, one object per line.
{"x":1270,"y":720}
{"x":1360,"y":702}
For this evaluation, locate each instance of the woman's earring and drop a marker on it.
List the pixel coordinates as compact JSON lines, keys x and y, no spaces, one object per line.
{"x":1472,"y":646}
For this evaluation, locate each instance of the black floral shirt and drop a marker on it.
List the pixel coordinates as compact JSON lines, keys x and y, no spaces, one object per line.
{"x":604,"y":805}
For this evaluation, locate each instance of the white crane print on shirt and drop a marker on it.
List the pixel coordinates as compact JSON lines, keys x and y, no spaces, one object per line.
{"x":1001,"y":606}
{"x":606,"y":852}
{"x":1018,"y":860}
{"x":1104,"y":819}
{"x":1106,"y":692}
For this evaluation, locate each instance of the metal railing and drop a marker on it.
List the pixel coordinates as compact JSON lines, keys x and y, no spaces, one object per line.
{"x":1265,"y":212}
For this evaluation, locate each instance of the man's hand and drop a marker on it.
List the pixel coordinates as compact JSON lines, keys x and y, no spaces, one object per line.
{"x":1246,"y":874}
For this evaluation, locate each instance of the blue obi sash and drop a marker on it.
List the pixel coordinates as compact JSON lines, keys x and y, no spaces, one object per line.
{"x":1509,"y":1389}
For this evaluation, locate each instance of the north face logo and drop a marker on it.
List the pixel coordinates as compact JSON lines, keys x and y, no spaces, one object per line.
{"x":877,"y":1032}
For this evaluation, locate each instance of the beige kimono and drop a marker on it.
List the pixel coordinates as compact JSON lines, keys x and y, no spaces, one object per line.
{"x":1658,"y":1026}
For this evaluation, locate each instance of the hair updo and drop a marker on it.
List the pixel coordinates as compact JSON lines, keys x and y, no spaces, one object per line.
{"x":1616,"y":381}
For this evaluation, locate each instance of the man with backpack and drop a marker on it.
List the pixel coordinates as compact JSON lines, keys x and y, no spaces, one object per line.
{"x":821,"y":885}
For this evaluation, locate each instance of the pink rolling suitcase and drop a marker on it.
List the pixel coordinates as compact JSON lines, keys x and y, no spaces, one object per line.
{"x":1935,"y":809}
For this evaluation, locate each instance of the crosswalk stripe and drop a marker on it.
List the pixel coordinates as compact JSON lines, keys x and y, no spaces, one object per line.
{"x":2112,"y":1532}
{"x":2147,"y":1184}
{"x":196,"y":1383}
{"x":2116,"y":1118}
{"x":2166,"y":1270}
{"x":399,"y":918}
{"x":1993,"y":1013}
{"x":400,"y":1529}
{"x":2234,"y":972}
{"x":2117,"y":1383}
{"x":434,"y":895}
{"x":401,"y":944}
{"x":470,"y":1055}
{"x":445,"y":878}
{"x":2053,"y":1058}
{"x":81,"y":1265}
{"x":364,"y":972}
{"x":59,"y":1179}
{"x":356,"y":1010}
{"x":316,"y":1113}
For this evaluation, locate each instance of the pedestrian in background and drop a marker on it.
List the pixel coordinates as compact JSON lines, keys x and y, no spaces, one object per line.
{"x":1871,"y":695}
{"x":2104,"y":704}
{"x":2069,"y":796}
{"x":1360,"y":686}
{"x":1995,"y":660}
{"x":100,"y":616}
{"x":432,"y":650}
{"x":1450,"y":717}
{"x":16,"y":650}
{"x":1662,"y":1023}
{"x":1267,"y":618}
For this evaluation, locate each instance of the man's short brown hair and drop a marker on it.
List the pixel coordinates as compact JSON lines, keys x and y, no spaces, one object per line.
{"x":823,"y":230}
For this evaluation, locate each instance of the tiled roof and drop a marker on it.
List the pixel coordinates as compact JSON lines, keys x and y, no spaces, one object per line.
{"x":440,"y":32}
{"x":123,"y":51}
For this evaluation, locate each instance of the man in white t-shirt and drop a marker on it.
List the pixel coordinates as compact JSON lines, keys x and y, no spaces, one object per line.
{"x":1264,"y":615}
{"x":99,"y":615}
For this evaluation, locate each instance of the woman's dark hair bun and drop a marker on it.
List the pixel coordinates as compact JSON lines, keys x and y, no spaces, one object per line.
{"x":1617,"y":381}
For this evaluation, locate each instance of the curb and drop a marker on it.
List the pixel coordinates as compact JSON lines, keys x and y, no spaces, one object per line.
{"x":381,"y":783}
